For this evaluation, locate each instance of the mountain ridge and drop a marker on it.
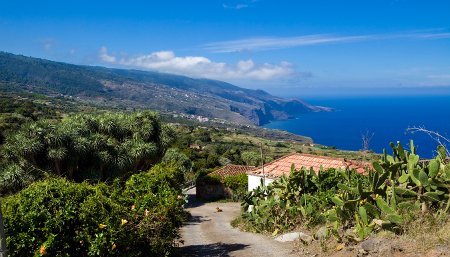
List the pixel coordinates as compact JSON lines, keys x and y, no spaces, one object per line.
{"x":148,"y":89}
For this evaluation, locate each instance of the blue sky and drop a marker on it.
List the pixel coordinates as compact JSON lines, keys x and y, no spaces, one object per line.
{"x":285,"y":47}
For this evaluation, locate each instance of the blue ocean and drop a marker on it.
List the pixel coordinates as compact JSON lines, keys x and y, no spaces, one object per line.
{"x":386,"y":118}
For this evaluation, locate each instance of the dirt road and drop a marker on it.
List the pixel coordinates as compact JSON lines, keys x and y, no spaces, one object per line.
{"x":209,"y":233}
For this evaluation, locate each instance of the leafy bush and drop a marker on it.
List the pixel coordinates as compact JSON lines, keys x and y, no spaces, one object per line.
{"x":238,"y":185}
{"x":237,"y":182}
{"x":251,"y":158}
{"x":173,"y":155}
{"x":56,"y":217}
{"x":234,"y":187}
{"x":210,"y":179}
{"x":96,"y":147}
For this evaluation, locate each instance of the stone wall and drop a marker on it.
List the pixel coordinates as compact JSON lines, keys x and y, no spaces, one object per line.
{"x":212,"y":191}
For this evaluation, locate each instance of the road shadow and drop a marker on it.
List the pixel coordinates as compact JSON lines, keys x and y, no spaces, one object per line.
{"x":217,"y":249}
{"x":195,"y":219}
{"x":193,"y":201}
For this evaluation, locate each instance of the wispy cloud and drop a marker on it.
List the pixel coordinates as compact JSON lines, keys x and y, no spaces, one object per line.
{"x":270,"y":43}
{"x":240,"y":5}
{"x":199,"y":66}
{"x":443,"y":78}
{"x":47,"y":43}
{"x":237,"y":6}
{"x":440,"y":76}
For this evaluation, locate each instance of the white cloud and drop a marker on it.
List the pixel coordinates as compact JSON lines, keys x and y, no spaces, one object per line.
{"x":199,"y":66}
{"x":105,"y":57}
{"x":246,"y":65}
{"x":269,"y":43}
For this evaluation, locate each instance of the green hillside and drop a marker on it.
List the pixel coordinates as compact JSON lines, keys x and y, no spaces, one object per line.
{"x":145,"y":89}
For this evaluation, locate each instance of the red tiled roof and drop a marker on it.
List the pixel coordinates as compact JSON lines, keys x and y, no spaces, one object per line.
{"x":282,"y":165}
{"x":232,"y":170}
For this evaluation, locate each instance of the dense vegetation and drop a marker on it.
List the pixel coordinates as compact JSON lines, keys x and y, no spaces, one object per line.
{"x":15,"y":111}
{"x":94,"y":196}
{"x":207,"y":149}
{"x":399,"y":189}
{"x":80,"y":147}
{"x":18,"y":108}
{"x":55,"y":217}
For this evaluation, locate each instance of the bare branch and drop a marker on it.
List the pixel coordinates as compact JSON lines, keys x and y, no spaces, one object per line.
{"x":436,"y":136}
{"x":366,"y":138}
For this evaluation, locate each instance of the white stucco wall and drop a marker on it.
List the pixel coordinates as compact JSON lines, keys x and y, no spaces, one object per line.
{"x":255,"y":181}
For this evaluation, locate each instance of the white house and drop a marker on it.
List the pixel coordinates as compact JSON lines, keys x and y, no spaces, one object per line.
{"x":255,"y":180}
{"x":282,"y":166}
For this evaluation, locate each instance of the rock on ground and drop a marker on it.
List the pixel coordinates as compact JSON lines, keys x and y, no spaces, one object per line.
{"x":289,"y":237}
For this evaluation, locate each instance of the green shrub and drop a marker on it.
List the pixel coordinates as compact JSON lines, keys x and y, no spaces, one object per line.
{"x":140,"y":217}
{"x":238,"y":182}
{"x":280,"y":144}
{"x":238,"y":185}
{"x":210,"y":179}
{"x":173,"y":155}
{"x":251,"y":158}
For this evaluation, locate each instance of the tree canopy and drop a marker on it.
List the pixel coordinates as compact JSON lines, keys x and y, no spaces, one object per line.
{"x":86,"y":146}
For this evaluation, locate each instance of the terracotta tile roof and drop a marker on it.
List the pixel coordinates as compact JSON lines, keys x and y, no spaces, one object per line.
{"x":232,"y":170}
{"x":282,"y":165}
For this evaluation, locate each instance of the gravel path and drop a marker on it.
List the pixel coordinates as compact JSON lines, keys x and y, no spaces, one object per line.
{"x":209,"y":233}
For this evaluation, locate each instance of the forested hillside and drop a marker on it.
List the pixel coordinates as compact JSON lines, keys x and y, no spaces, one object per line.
{"x":145,"y":89}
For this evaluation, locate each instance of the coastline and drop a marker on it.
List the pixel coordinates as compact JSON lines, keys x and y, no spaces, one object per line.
{"x":387,"y":118}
